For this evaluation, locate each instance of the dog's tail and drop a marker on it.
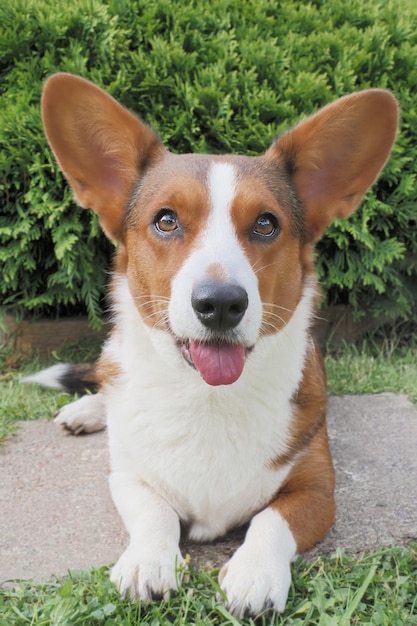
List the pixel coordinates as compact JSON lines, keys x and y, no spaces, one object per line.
{"x":72,"y":378}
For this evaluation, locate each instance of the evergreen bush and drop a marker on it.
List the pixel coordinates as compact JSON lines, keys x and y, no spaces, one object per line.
{"x":219,"y":76}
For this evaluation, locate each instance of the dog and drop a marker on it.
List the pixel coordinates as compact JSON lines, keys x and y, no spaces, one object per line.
{"x":211,"y":385}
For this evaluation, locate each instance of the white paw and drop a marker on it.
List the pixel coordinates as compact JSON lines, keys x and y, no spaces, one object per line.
{"x":258,"y":576}
{"x":146,"y":574}
{"x":255,"y":582}
{"x":85,"y":415}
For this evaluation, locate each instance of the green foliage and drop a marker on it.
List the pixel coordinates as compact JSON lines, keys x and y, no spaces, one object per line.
{"x":377,"y":590}
{"x":223,"y":76}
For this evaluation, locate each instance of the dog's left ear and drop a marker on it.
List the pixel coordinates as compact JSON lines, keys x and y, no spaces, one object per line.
{"x":335,"y":155}
{"x":100,"y":146}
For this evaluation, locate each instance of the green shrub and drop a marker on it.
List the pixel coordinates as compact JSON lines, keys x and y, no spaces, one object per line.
{"x":219,"y":76}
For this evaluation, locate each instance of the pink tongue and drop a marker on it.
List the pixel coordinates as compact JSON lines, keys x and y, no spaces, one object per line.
{"x":217,"y":363}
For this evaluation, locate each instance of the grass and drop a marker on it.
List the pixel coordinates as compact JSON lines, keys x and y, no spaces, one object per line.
{"x":377,"y":589}
{"x":371,"y":369}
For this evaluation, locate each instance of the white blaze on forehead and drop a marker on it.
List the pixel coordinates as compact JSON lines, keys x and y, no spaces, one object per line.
{"x":218,"y":244}
{"x":222,"y":189}
{"x":219,"y":238}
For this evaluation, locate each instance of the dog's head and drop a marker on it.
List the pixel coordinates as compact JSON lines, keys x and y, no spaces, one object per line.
{"x":216,"y":249}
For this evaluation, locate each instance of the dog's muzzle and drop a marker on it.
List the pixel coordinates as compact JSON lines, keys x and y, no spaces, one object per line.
{"x":220,"y":307}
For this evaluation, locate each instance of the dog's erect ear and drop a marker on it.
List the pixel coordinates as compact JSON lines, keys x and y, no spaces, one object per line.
{"x":99,"y":145}
{"x":335,"y":155}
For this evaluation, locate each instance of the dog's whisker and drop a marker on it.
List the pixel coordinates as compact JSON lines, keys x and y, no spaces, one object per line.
{"x":272,"y":314}
{"x":265,"y":324}
{"x":151,"y":297}
{"x":151,"y":301}
{"x":271,"y":305}
{"x":320,"y":318}
{"x":258,"y":260}
{"x":275,"y":327}
{"x":161,"y":318}
{"x":263,"y":267}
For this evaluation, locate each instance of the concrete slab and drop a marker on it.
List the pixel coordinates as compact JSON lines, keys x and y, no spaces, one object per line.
{"x":56,"y":512}
{"x":374,"y":445}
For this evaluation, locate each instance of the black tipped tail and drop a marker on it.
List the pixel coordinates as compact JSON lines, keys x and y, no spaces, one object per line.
{"x":72,"y":378}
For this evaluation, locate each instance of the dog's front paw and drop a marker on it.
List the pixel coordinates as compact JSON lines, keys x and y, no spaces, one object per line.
{"x":85,"y":415}
{"x":148,"y":575}
{"x":253,"y":583}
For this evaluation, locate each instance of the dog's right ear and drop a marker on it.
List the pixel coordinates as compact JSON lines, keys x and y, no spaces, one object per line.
{"x":100,"y":146}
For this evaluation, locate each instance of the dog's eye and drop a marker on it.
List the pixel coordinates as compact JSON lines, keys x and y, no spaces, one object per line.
{"x":166,"y":221}
{"x":266,"y":225}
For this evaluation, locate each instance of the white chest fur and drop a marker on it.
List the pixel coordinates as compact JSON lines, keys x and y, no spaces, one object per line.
{"x":206,"y":450}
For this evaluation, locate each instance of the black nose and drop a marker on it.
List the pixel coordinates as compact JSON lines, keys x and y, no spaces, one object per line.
{"x":219,"y":305}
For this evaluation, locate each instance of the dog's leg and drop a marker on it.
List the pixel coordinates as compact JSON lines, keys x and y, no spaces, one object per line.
{"x":85,"y":415}
{"x":149,"y":567}
{"x":258,"y":575}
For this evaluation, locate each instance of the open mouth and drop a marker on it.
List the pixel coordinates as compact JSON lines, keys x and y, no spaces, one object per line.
{"x":218,"y":363}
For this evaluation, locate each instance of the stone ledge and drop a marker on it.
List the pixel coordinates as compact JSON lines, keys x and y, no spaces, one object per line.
{"x":333,"y":324}
{"x":45,"y":335}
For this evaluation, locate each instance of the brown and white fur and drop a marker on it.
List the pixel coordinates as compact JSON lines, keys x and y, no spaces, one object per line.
{"x":212,"y":387}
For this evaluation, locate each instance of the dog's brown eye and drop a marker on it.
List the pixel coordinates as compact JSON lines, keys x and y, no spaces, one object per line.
{"x":266,"y":225}
{"x":166,"y":221}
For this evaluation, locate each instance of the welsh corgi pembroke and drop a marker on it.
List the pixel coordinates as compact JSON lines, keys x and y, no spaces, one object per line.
{"x":211,"y":386}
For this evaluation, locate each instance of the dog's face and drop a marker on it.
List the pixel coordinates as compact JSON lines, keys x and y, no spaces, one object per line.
{"x":229,"y":234}
{"x":217,"y":250}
